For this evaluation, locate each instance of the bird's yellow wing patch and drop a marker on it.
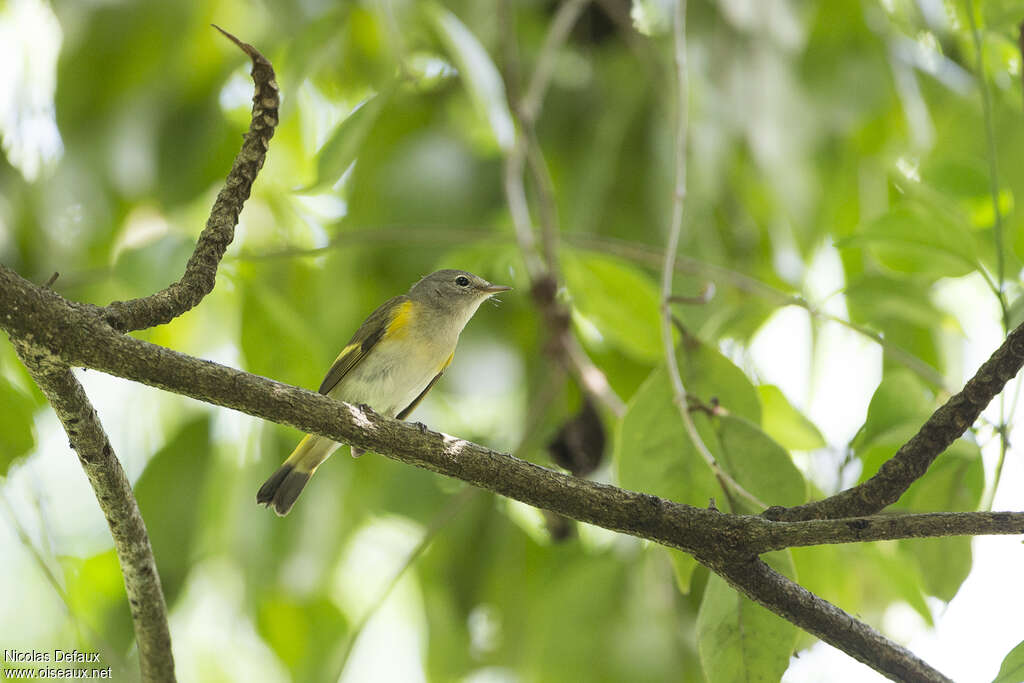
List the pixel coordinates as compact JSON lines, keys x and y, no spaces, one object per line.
{"x":391,"y":318}
{"x":399,"y":325}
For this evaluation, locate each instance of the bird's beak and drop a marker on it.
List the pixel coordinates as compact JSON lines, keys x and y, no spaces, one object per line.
{"x":494,"y":289}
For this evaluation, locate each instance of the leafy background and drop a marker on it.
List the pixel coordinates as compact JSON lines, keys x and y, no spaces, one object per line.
{"x":842,"y":165}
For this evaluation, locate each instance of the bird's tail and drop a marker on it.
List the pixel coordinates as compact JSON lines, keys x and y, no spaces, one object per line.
{"x":285,"y":485}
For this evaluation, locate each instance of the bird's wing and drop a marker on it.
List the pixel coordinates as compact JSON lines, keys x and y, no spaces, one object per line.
{"x":416,"y":401}
{"x":389,"y":316}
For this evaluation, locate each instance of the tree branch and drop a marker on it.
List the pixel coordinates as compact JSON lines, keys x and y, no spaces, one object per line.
{"x":779,"y":535}
{"x":726,"y":543}
{"x":913,"y":458}
{"x":543,"y":272}
{"x":114,"y":494}
{"x":201,"y":269}
{"x":796,"y":604}
{"x":51,"y":333}
{"x":66,"y":395}
{"x":668,"y":267}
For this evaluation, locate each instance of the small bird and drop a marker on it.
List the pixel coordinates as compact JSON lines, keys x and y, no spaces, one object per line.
{"x":392,"y":361}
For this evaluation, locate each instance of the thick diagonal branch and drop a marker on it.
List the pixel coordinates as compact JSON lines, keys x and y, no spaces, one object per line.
{"x":201,"y":269}
{"x":78,"y":336}
{"x":114,"y":494}
{"x":76,"y":413}
{"x":913,"y":458}
{"x":796,"y":604}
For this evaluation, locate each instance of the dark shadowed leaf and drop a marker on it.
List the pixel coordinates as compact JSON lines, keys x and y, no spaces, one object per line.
{"x":170,"y":495}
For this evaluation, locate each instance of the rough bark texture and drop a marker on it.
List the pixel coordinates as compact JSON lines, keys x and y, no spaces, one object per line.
{"x":796,"y":604}
{"x":201,"y":269}
{"x":114,"y":494}
{"x":85,"y":433}
{"x":52,"y":334}
{"x":913,"y":458}
{"x":728,"y":544}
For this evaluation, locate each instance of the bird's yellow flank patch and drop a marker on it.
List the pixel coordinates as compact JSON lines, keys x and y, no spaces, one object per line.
{"x":399,"y":325}
{"x":447,"y":362}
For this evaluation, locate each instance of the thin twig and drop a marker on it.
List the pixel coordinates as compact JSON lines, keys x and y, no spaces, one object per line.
{"x":547,"y":207}
{"x":675,"y":229}
{"x":452,"y":508}
{"x":997,"y":231}
{"x":543,"y":270}
{"x":993,"y":170}
{"x":568,"y":12}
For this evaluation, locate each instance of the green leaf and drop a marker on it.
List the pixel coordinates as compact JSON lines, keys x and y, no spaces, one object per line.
{"x":653,"y":452}
{"x":304,"y":634}
{"x":1012,"y":670}
{"x":965,"y":184}
{"x":902,"y":310}
{"x":865,"y":578}
{"x":708,"y":375}
{"x":881,"y":299}
{"x":739,"y":640}
{"x":757,"y":463}
{"x":341,"y":149}
{"x":786,"y":424}
{"x":620,"y":300}
{"x":901,"y":398}
{"x":954,"y":482}
{"x":904,"y":578}
{"x":95,"y":592}
{"x":169,"y":494}
{"x":907,"y":241}
{"x":683,"y":566}
{"x":16,"y":435}
{"x":480,"y":76}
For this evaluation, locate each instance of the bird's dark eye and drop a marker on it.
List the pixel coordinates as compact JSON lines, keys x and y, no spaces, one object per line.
{"x":462,"y":281}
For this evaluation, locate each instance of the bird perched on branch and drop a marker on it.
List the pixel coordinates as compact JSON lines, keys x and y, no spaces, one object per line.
{"x":392,"y":361}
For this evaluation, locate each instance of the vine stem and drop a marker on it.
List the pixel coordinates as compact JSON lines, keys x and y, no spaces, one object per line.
{"x":675,"y":230}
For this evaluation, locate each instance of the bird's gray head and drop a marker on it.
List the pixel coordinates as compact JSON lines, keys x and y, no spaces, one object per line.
{"x":455,"y":291}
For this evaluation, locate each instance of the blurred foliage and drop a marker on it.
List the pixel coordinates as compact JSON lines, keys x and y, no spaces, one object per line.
{"x":849,"y":132}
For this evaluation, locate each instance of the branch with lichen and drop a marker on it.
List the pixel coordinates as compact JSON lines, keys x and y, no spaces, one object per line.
{"x":76,"y":413}
{"x":201,"y":270}
{"x":726,"y":543}
{"x":53,"y":334}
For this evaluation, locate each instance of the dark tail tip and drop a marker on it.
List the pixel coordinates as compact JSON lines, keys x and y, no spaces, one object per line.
{"x":283,"y":487}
